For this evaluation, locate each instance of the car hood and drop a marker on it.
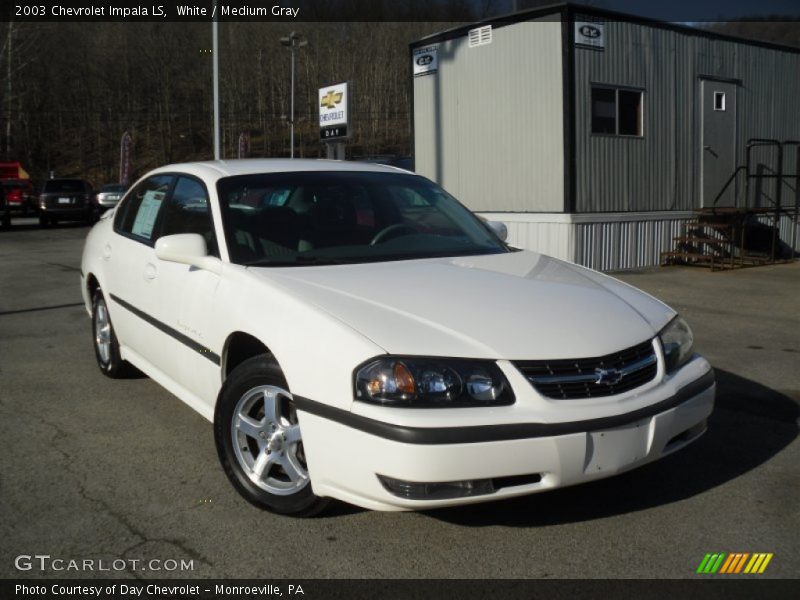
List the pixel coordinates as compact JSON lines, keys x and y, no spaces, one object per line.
{"x":519,"y":305}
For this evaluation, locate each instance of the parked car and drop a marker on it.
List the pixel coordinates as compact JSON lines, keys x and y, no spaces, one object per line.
{"x":19,"y":195}
{"x":401,"y":162}
{"x":5,"y":210}
{"x":109,"y":195}
{"x":365,"y":337}
{"x":66,"y":200}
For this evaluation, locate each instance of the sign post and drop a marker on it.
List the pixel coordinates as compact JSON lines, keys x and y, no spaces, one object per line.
{"x":334,"y":119}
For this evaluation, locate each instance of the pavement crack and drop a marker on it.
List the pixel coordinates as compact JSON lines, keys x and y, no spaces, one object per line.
{"x":132,"y":530}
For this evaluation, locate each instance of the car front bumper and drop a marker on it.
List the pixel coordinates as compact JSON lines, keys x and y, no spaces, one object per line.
{"x":347,"y":455}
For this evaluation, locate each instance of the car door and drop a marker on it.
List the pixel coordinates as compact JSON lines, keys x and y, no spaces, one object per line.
{"x":131,"y":272}
{"x":186,"y":294}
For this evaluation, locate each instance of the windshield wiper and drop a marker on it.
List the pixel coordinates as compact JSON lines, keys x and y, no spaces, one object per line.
{"x":297,"y":261}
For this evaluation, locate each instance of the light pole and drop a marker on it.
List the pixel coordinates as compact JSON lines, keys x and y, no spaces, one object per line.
{"x":215,"y":68}
{"x":293,"y":42}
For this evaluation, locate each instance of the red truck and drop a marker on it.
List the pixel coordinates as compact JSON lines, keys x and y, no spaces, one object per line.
{"x":17,"y":187}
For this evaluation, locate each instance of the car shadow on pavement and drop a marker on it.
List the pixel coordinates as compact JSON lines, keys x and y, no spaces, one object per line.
{"x":750,"y":424}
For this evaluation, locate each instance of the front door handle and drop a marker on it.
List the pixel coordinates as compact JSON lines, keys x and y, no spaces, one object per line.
{"x":150,"y":271}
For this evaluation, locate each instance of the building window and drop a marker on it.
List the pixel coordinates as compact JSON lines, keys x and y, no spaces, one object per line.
{"x":617,"y":111}
{"x":719,"y":101}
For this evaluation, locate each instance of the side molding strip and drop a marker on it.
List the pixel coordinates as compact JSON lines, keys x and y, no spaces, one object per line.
{"x":496,"y":433}
{"x":185,"y":340}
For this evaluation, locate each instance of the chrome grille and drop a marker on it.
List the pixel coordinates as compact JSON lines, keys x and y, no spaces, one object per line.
{"x":592,"y":377}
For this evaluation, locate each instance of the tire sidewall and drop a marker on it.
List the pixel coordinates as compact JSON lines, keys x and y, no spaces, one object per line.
{"x":252,"y":373}
{"x":115,"y":360}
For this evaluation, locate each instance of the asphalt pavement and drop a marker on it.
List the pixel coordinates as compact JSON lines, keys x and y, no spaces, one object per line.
{"x":92,"y":468}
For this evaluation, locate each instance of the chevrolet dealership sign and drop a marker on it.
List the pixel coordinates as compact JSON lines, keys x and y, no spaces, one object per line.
{"x":333,"y":112}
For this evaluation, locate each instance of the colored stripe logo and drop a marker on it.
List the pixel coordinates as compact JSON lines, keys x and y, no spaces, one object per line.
{"x":735,"y":563}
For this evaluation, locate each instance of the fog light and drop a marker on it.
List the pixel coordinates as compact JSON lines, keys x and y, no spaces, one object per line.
{"x":441,"y":490}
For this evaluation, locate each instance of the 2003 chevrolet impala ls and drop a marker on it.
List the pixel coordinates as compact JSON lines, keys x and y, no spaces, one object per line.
{"x":353,"y":332}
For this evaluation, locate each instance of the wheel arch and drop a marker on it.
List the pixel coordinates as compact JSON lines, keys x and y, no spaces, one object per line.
{"x":92,"y":285}
{"x":238,"y":347}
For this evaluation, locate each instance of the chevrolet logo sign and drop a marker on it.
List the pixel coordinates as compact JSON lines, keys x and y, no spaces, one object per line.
{"x":331,"y":99}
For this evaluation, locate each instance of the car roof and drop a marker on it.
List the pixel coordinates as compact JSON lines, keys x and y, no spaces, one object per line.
{"x":217,"y":169}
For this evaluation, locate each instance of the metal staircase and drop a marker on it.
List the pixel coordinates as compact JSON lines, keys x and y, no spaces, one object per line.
{"x":734,"y":237}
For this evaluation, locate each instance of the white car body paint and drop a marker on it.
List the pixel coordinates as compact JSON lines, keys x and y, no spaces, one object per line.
{"x":321,"y":322}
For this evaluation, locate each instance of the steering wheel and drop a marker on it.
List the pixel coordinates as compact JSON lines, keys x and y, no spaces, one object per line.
{"x":390,"y":232}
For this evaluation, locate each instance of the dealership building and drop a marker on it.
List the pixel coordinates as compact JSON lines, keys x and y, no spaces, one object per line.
{"x":596,"y":136}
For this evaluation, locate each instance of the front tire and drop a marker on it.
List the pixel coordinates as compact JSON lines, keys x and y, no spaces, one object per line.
{"x":106,"y":346}
{"x":259,"y":441}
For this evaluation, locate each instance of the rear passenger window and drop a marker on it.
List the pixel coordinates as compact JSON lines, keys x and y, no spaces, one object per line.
{"x":137,"y":218}
{"x":187,"y":211}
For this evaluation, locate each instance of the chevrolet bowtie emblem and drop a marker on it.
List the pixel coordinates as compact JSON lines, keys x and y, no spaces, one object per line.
{"x":331,"y":99}
{"x":608,"y":376}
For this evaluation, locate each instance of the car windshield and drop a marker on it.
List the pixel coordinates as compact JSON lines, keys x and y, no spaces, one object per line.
{"x":65,"y":185}
{"x":311,"y":218}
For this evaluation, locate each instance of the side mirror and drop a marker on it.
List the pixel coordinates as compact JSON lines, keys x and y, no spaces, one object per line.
{"x":188,"y":249}
{"x":499,"y":229}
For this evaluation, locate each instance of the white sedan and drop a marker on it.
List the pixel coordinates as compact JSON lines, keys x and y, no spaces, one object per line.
{"x":353,"y":332}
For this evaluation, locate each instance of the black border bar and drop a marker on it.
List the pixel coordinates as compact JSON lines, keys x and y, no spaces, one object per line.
{"x":696,"y":586}
{"x":420,"y":11}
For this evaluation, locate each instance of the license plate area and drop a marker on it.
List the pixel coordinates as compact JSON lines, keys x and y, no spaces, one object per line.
{"x":65,"y":200}
{"x":613,"y":449}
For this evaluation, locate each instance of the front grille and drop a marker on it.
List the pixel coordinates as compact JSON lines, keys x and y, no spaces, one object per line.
{"x":592,"y":377}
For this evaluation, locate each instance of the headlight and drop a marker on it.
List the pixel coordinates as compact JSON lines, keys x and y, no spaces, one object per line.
{"x":677,"y":341}
{"x":432,"y":383}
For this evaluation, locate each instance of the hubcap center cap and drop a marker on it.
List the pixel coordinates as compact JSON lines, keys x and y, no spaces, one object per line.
{"x":275,"y":443}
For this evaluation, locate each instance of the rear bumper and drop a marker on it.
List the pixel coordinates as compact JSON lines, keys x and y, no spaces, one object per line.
{"x":67,"y":212}
{"x":345,"y":460}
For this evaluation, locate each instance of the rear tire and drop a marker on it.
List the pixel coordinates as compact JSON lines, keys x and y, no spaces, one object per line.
{"x":44,"y":221}
{"x":6,"y":221}
{"x":106,"y":346}
{"x":259,"y":442}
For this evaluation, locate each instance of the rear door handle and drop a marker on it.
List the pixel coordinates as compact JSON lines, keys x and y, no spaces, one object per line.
{"x":150,"y":271}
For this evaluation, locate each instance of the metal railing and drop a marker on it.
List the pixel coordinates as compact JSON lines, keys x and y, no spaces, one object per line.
{"x":781,"y":180}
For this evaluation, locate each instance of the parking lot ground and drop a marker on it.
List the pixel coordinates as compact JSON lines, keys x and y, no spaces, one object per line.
{"x":102,"y":469}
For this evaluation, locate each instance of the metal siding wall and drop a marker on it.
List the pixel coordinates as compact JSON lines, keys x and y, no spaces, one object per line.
{"x":627,"y":173}
{"x":488,"y":126}
{"x":624,"y":245}
{"x":609,"y":242}
{"x":661,"y":171}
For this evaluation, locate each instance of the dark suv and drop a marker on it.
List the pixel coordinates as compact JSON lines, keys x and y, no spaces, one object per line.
{"x":68,"y":200}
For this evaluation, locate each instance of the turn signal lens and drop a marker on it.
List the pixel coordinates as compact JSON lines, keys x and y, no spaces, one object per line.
{"x":386,"y":381}
{"x":403,"y":379}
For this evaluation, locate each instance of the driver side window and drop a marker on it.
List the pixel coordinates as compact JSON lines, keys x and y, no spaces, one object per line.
{"x":137,"y":218}
{"x":188,"y":211}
